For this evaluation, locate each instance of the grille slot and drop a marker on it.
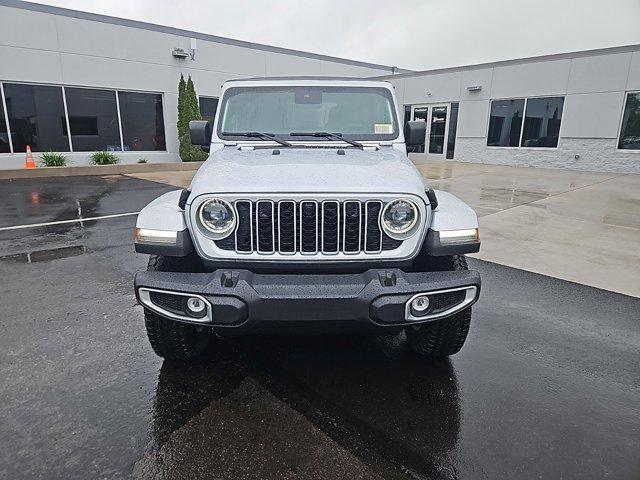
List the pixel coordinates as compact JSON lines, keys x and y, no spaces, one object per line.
{"x":287,"y":226}
{"x":265,"y":226}
{"x":308,"y":227}
{"x":372,"y":233}
{"x":330,"y":227}
{"x":244,"y":235}
{"x":351,"y":227}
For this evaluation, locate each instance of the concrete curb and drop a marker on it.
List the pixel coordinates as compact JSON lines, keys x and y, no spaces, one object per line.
{"x":99,"y":170}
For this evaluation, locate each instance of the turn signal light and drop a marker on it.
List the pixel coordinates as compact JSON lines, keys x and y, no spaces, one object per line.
{"x":448,"y":237}
{"x":146,"y":235}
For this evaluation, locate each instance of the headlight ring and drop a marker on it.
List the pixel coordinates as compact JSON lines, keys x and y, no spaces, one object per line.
{"x":400,"y":219}
{"x":217,"y":217}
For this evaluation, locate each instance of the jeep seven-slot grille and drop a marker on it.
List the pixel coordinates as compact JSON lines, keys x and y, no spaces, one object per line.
{"x":308,"y":227}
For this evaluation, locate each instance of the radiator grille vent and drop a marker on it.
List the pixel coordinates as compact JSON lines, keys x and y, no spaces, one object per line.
{"x":308,"y":227}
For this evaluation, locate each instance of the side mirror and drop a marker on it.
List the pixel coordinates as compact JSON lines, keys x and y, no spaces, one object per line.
{"x":415,"y":133}
{"x":200,"y":133}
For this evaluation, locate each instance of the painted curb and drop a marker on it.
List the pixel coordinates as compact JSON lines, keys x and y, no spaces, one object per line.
{"x":99,"y":170}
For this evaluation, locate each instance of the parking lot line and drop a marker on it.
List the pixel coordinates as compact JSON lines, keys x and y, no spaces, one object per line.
{"x":62,"y":222}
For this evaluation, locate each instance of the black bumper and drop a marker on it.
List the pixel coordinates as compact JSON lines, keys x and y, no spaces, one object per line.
{"x":241,"y":300}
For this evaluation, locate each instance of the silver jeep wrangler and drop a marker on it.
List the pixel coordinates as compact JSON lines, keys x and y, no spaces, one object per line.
{"x":307,"y":216}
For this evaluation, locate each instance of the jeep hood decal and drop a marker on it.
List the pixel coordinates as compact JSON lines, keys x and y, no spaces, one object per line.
{"x":299,"y":170}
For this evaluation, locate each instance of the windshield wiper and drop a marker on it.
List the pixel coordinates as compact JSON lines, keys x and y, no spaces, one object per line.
{"x":261,"y":135}
{"x":331,"y":136}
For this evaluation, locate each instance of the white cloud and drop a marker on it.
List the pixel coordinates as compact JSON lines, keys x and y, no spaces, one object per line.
{"x":417,"y":34}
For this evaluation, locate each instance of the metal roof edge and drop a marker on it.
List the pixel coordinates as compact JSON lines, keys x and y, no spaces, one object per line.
{"x":516,"y":61}
{"x":96,"y":17}
{"x":306,"y":77}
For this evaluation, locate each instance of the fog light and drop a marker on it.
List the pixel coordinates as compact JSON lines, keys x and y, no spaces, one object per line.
{"x":419,"y":306}
{"x":196,"y":306}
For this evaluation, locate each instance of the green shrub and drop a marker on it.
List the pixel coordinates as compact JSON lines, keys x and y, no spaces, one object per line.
{"x":142,"y":160}
{"x":52,"y":159}
{"x":104,"y":158}
{"x":188,"y":110}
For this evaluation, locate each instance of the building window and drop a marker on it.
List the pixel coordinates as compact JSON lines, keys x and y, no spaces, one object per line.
{"x":630,"y":129}
{"x":505,"y":123}
{"x":208,"y":108}
{"x":93,"y":119}
{"x":36,"y":117}
{"x":453,"y":128}
{"x":541,"y":126}
{"x":142,"y":121}
{"x":542,"y":122}
{"x":4,"y":136}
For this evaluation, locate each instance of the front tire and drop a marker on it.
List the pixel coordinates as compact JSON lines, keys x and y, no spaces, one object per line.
{"x":445,"y":337}
{"x":173,"y":340}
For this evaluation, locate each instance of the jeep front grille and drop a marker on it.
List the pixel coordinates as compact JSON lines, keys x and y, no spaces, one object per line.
{"x":308,"y":227}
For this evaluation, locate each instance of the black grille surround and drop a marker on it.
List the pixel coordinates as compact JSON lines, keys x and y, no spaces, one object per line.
{"x":308,"y":227}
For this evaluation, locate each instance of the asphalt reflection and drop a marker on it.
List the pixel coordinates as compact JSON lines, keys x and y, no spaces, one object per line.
{"x":396,"y":411}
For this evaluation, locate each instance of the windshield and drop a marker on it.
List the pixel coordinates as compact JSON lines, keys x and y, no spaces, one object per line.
{"x":356,"y":113}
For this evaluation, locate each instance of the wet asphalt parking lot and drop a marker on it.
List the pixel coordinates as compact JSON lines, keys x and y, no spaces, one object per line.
{"x":547,"y":385}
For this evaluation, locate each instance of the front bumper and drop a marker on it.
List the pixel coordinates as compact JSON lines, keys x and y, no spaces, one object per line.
{"x":240,"y":300}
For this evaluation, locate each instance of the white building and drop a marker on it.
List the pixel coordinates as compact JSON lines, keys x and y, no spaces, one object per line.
{"x":575,"y":110}
{"x":113,"y":82}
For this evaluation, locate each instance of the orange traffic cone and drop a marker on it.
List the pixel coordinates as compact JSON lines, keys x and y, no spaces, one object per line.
{"x":29,"y":163}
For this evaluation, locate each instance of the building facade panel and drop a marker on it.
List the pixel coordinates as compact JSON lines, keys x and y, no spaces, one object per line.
{"x":223,"y":58}
{"x":530,"y":79}
{"x":282,"y":65}
{"x":22,"y":28}
{"x":472,"y":119}
{"x":83,"y":37}
{"x":28,"y":65}
{"x":595,"y":115}
{"x":473,"y":78}
{"x":633,"y":79}
{"x":438,"y":87}
{"x":599,"y":73}
{"x":83,"y":70}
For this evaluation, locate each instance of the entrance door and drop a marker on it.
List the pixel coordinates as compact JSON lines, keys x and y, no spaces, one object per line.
{"x":437,"y":117}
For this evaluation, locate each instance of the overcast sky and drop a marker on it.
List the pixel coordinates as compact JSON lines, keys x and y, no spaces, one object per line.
{"x":415,"y":34}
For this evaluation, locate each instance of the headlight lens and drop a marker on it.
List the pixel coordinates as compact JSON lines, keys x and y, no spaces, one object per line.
{"x":218,"y":217}
{"x":399,"y":218}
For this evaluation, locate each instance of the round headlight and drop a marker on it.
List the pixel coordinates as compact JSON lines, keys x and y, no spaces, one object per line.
{"x":399,"y":218}
{"x":218,"y":217}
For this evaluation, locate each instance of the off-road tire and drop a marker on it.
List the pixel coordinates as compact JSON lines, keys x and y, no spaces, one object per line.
{"x":173,"y":340}
{"x":442,"y":337}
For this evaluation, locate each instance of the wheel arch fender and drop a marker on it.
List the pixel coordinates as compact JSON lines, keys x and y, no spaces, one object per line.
{"x":163,"y":214}
{"x":451,"y":214}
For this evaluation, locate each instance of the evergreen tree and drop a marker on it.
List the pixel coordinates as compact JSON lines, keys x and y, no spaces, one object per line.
{"x":188,"y":110}
{"x":183,"y":124}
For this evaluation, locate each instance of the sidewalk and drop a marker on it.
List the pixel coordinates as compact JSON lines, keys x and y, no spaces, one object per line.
{"x":578,"y":226}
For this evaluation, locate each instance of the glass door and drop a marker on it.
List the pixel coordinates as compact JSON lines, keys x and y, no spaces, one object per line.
{"x":437,"y":131}
{"x":436,"y":117}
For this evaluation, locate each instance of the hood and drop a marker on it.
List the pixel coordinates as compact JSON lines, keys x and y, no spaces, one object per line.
{"x":300,"y":170}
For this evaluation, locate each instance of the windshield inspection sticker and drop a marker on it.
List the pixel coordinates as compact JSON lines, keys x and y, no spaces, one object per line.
{"x":382,"y":128}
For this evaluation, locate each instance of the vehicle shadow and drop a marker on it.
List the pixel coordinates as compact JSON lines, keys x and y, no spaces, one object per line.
{"x":404,"y":406}
{"x":373,"y":396}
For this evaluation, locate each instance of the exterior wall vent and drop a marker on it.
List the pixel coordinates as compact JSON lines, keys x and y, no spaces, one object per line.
{"x":179,"y":53}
